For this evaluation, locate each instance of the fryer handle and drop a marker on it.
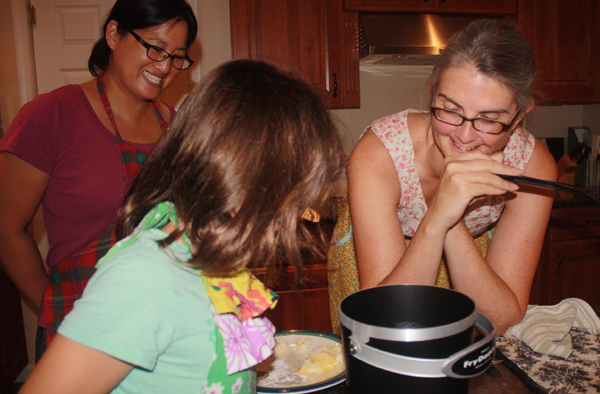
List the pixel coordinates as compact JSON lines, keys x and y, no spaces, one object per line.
{"x":466,"y":363}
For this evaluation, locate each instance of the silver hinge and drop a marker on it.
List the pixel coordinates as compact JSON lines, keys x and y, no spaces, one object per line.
{"x":32,"y":18}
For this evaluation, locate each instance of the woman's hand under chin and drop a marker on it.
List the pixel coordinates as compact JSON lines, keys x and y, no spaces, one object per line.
{"x":464,"y":178}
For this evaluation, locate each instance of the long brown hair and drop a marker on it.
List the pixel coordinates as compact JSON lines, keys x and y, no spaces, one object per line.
{"x":250,"y":149}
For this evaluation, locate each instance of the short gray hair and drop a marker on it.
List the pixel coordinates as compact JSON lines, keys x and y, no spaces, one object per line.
{"x":496,"y":48}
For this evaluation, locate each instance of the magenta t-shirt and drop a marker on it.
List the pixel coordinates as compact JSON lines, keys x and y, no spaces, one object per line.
{"x":60,"y":134}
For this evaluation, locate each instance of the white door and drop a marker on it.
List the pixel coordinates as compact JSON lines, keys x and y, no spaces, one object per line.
{"x":63,"y":37}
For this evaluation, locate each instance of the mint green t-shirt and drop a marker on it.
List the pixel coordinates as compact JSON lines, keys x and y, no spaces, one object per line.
{"x":145,"y":308}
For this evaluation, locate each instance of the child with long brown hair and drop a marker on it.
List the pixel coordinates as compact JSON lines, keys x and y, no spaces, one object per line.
{"x":173,"y":306}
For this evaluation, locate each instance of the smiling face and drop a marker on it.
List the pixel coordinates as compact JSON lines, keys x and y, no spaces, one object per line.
{"x":132,"y":70}
{"x":473,"y":95}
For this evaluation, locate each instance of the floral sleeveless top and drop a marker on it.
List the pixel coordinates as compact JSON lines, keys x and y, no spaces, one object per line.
{"x":393,"y":132}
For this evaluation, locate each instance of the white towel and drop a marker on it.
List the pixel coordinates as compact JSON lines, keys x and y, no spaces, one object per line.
{"x":545,"y":328}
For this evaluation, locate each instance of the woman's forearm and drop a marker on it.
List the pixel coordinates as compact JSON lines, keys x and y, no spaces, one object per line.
{"x":419,"y":264}
{"x":23,"y":263}
{"x":22,"y":187}
{"x":473,"y":276}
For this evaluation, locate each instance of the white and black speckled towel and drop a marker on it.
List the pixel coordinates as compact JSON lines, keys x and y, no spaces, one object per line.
{"x":579,"y":373}
{"x":546,"y":328}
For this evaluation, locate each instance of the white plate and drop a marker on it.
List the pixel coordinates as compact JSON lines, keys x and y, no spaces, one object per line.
{"x":283,"y":364}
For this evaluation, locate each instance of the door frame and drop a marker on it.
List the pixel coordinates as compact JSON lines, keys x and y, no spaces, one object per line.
{"x":24,"y":50}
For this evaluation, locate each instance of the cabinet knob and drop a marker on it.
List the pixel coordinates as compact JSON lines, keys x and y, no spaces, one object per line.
{"x":335,"y":85}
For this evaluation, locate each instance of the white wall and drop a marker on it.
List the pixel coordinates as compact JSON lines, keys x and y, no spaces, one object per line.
{"x":553,"y":121}
{"x":9,"y":81}
{"x":591,"y":117}
{"x":383,"y":91}
{"x":213,"y":33}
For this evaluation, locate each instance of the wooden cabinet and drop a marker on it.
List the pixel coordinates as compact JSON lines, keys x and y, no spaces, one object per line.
{"x":570,"y":261}
{"x":477,"y":6}
{"x":573,"y":271}
{"x":564,"y":35}
{"x":434,"y":6}
{"x":306,"y":308}
{"x":389,"y":5}
{"x":319,"y":40}
{"x":595,"y":50}
{"x":13,"y":350}
{"x":314,"y":39}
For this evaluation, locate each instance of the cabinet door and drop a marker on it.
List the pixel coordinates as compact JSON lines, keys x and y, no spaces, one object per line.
{"x":389,"y":5}
{"x":305,"y":310}
{"x":574,"y":223}
{"x":477,"y":6}
{"x":451,"y":6}
{"x":13,"y":350}
{"x":560,"y":33}
{"x":312,"y":38}
{"x":574,"y":271}
{"x":301,"y":309}
{"x":595,"y":50}
{"x":308,"y":307}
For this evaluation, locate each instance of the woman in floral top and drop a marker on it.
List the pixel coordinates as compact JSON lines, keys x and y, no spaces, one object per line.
{"x":173,"y":307}
{"x":429,"y":177}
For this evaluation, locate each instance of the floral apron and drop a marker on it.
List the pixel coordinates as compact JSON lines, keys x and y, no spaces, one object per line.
{"x":68,"y":279}
{"x":342,"y":269}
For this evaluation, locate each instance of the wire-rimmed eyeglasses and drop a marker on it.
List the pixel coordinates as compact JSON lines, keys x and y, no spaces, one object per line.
{"x":159,"y":55}
{"x":483,"y":125}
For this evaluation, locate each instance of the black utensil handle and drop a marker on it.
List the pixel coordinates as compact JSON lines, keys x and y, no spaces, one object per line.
{"x":564,"y":187}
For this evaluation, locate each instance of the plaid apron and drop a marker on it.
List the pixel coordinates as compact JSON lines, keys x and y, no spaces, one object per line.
{"x":68,"y":279}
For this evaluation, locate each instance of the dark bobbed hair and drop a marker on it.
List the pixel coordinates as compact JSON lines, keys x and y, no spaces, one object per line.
{"x":496,"y":48}
{"x":141,"y":14}
{"x":250,"y":149}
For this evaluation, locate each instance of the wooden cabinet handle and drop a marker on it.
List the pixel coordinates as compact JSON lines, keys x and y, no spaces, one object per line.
{"x":335,"y":85}
{"x":559,"y":263}
{"x":588,"y":221}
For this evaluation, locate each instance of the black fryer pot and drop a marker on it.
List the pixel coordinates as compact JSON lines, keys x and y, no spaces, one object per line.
{"x":413,"y":339}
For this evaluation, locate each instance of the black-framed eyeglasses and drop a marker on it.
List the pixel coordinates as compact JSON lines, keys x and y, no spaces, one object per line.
{"x":159,"y":55}
{"x":483,"y":125}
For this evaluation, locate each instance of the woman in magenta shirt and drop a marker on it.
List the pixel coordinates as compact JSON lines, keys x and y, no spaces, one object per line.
{"x":73,"y":150}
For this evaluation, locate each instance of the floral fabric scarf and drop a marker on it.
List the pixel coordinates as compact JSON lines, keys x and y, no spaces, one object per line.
{"x":238,"y":301}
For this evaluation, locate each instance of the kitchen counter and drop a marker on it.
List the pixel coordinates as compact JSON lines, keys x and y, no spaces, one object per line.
{"x":575,"y":201}
{"x":509,"y":383}
{"x":482,"y":384}
{"x":524,"y":371}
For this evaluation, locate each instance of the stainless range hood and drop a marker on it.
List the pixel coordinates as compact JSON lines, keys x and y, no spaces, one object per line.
{"x":415,"y":39}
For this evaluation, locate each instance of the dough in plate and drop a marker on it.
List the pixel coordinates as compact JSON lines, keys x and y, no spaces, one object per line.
{"x":322,"y":360}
